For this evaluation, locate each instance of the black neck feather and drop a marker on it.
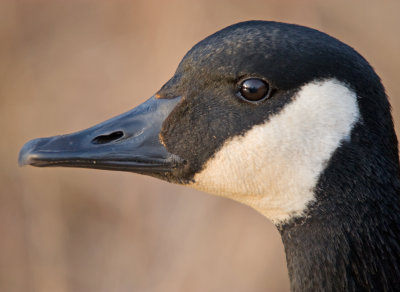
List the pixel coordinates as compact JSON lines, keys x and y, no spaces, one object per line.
{"x":349,"y":239}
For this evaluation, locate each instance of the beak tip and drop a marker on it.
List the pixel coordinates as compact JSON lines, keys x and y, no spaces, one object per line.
{"x":26,"y":155}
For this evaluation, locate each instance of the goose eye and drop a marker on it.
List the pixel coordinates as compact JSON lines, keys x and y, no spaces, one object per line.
{"x":253,"y":89}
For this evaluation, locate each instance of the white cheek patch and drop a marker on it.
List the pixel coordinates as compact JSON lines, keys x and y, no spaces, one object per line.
{"x":275,"y":166}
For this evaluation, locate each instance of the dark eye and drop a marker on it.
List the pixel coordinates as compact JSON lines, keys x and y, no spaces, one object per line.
{"x":253,"y":89}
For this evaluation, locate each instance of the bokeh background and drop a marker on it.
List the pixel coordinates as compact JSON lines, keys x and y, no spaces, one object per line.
{"x":66,"y":65}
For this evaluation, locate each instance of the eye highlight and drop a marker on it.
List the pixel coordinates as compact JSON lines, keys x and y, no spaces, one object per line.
{"x":253,"y":89}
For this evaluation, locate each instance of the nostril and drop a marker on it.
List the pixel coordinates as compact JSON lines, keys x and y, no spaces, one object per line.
{"x":104,"y":139}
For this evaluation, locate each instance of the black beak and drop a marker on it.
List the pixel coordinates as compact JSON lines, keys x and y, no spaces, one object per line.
{"x":128,"y":142}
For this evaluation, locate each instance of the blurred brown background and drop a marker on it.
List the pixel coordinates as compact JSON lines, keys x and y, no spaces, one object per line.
{"x":66,"y":65}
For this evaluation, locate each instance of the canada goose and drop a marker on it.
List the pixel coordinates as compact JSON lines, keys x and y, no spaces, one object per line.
{"x":280,"y":117}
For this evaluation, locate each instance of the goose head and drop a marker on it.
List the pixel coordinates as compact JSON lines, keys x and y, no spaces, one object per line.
{"x":280,"y":117}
